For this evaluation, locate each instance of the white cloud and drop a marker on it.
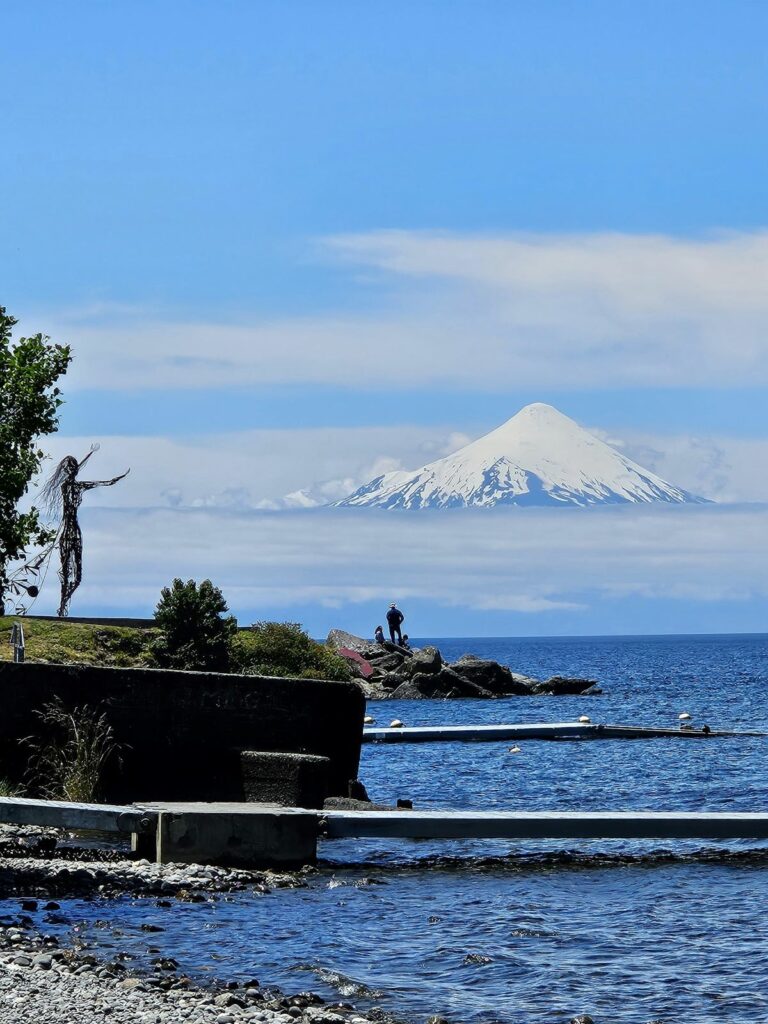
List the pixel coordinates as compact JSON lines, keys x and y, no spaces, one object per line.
{"x":514,"y":559}
{"x":533,"y":310}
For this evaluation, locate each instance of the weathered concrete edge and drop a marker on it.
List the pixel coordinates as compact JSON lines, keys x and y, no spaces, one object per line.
{"x":67,"y":815}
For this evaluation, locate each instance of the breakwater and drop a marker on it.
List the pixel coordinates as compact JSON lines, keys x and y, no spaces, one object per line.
{"x":388,"y":671}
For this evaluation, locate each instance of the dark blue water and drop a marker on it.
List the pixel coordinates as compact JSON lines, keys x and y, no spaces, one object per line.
{"x":526,"y":935}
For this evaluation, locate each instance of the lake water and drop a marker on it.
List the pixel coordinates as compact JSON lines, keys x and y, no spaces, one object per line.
{"x":525,"y":933}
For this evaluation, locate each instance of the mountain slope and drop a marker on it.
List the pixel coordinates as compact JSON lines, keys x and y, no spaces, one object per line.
{"x":539,"y":457}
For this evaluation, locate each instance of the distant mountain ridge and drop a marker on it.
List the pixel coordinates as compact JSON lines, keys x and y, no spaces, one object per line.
{"x":539,"y":457}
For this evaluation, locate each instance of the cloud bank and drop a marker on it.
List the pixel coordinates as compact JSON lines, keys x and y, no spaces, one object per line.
{"x":518,"y":560}
{"x":596,"y":310}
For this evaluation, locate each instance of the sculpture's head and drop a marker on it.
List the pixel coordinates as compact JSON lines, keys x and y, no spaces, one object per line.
{"x":68,"y":467}
{"x":65,"y":473}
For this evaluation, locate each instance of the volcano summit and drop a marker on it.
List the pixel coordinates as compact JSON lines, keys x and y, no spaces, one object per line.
{"x":539,"y":457}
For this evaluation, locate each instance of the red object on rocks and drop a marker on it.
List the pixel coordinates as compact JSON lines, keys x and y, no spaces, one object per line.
{"x":364,"y":667}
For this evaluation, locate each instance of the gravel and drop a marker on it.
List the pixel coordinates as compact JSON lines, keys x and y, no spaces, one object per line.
{"x":44,"y":982}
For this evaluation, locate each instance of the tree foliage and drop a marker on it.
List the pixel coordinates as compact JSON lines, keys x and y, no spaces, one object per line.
{"x":29,"y":402}
{"x":285,"y":649}
{"x":194,"y":635}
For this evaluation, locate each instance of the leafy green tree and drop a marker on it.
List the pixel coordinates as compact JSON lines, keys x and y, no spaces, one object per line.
{"x":194,"y":635}
{"x":29,"y":402}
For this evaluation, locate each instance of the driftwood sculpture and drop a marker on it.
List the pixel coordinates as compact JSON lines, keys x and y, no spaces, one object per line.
{"x":63,"y":494}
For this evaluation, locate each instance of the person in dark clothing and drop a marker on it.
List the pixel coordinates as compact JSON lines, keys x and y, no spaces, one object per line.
{"x":405,"y":642}
{"x":395,"y":619}
{"x":378,"y":636}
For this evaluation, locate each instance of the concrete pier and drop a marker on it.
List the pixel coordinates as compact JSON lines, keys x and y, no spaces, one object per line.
{"x":535,"y":731}
{"x":256,"y":835}
{"x":259,"y":835}
{"x":74,"y":816}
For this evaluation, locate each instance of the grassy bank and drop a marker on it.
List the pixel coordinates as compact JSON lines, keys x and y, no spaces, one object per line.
{"x":79,"y":643}
{"x":279,"y":649}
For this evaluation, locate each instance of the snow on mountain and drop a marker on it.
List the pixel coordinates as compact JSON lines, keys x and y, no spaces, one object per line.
{"x":539,"y":457}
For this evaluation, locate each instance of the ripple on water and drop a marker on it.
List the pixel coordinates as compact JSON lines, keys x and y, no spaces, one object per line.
{"x":611,"y":929}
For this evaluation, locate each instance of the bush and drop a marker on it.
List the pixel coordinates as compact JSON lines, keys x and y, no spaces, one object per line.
{"x":70,"y":763}
{"x":193,"y":633}
{"x":285,"y":649}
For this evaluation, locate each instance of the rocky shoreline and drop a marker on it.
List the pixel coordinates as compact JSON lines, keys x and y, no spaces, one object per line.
{"x":44,"y":980}
{"x":387,"y":671}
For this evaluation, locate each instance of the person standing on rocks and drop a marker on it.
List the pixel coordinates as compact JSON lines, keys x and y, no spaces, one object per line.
{"x":395,"y":619}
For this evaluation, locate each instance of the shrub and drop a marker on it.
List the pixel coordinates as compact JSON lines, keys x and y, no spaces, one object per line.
{"x":285,"y":649}
{"x":69,"y":764}
{"x":193,"y":633}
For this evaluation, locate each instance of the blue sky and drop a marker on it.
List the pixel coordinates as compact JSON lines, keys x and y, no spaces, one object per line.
{"x":290,"y":242}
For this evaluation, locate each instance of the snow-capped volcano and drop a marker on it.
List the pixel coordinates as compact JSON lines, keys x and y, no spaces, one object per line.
{"x":539,"y":457}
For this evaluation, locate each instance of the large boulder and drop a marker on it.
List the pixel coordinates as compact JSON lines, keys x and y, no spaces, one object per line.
{"x":428,"y":660}
{"x":386,"y":662}
{"x":441,"y":684}
{"x":340,"y":638}
{"x":491,"y":676}
{"x":410,"y":690}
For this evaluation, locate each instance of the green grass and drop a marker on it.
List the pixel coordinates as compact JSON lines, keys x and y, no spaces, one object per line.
{"x":78,"y":643}
{"x":271,"y":648}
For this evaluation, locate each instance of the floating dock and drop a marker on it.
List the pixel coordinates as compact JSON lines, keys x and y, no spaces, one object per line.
{"x":536,"y":731}
{"x":543,"y":825}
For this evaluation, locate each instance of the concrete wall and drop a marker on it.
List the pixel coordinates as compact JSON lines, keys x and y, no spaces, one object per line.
{"x":182,"y":732}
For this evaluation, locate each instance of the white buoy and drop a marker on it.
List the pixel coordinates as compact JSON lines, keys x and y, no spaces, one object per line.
{"x":585,"y":719}
{"x":395,"y":724}
{"x":369,"y":720}
{"x":685,"y":717}
{"x":514,"y":750}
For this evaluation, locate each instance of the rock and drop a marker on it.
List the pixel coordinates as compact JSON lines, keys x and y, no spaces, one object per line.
{"x":583,"y":1018}
{"x":445,"y":683}
{"x":392,"y":680}
{"x":345,"y":803}
{"x":477,"y":958}
{"x":129,"y":984}
{"x":387,"y":663}
{"x":356,"y":791}
{"x":492,"y":676}
{"x":560,"y":685}
{"x":340,"y":638}
{"x":428,"y":661}
{"x":436,"y":1019}
{"x":230,"y":999}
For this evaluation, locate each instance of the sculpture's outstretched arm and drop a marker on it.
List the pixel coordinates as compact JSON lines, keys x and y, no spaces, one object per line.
{"x":86,"y":485}
{"x":82,"y":462}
